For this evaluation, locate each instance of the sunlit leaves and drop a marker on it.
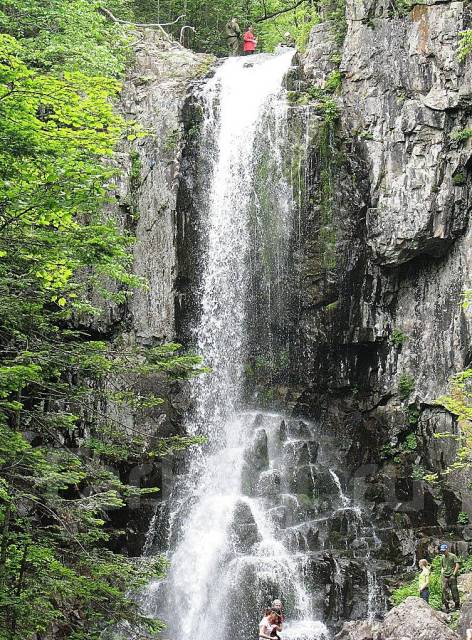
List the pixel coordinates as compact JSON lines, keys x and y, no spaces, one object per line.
{"x":58,"y":253}
{"x":459,"y":403}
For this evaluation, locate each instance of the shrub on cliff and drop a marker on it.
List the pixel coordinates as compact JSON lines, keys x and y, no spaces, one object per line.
{"x":435,"y":600}
{"x":411,"y":588}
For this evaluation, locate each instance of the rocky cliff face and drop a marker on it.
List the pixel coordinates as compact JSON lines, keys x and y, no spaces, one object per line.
{"x":381,"y":326}
{"x":144,"y":201}
{"x":153,"y":96}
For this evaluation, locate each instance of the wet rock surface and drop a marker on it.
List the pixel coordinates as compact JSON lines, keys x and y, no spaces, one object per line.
{"x":404,"y":109}
{"x":381,"y":324}
{"x":143,"y":200}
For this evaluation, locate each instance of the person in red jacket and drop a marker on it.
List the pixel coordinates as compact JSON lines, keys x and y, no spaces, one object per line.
{"x":250,"y":42}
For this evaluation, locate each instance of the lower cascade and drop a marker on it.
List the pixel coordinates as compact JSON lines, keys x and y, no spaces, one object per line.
{"x":262,"y":510}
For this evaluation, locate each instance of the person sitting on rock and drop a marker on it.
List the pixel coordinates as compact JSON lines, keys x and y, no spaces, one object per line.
{"x":267,"y":625}
{"x":449,"y":569}
{"x":424,"y":580}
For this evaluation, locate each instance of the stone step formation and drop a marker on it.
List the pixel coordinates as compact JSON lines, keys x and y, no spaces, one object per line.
{"x":290,"y":474}
{"x":295,"y":532}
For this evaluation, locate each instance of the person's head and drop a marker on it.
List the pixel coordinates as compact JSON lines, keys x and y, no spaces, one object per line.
{"x":267,"y":611}
{"x":273,"y":618}
{"x":444,"y":549}
{"x":423,"y":564}
{"x":277,"y":604}
{"x":250,"y":28}
{"x":234,"y":20}
{"x":287,"y":34}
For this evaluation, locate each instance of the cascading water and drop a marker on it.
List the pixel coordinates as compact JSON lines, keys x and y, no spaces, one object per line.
{"x":252,"y":518}
{"x":206,"y":570}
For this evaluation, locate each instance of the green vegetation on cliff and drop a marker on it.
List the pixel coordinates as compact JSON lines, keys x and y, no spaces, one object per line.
{"x":271,"y":19}
{"x":60,"y":65}
{"x":410,"y":587}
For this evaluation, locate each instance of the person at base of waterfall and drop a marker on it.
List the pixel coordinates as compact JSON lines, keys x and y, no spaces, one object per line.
{"x":449,"y":569}
{"x":424,"y":580}
{"x":268,"y":625}
{"x":250,"y":42}
{"x":233,"y":36}
{"x":278,"y":607}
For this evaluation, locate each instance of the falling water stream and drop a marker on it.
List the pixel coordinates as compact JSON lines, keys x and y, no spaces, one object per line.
{"x":250,"y":514}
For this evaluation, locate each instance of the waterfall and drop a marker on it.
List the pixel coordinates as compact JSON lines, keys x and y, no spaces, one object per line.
{"x":208,"y":570}
{"x":256,"y":511}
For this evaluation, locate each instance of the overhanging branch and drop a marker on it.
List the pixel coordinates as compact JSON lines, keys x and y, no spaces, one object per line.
{"x":268,"y":16}
{"x":108,"y":14}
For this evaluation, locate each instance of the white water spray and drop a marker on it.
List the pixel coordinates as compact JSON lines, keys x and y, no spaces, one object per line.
{"x":207,"y":568}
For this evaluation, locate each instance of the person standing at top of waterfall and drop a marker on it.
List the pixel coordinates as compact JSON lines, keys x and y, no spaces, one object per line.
{"x":233,"y":36}
{"x":250,"y":41}
{"x":450,"y":566}
{"x":268,"y":625}
{"x":288,"y":40}
{"x":424,"y":579}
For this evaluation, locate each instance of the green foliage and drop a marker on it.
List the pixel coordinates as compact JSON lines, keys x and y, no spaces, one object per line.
{"x":418,"y":472}
{"x":406,"y":385}
{"x":136,"y":167}
{"x":331,"y":307}
{"x":465,"y":44}
{"x":271,"y":19}
{"x":333,"y":82}
{"x":413,"y":415}
{"x":398,"y":452}
{"x":59,"y":67}
{"x":366,"y":135}
{"x":462,"y":135}
{"x":411,"y":442}
{"x":459,"y":179}
{"x":67,"y":36}
{"x":398,"y":337}
{"x":330,"y":110}
{"x":401,"y":8}
{"x":463,"y":518}
{"x":458,"y":402}
{"x":466,"y":299}
{"x":172,"y":140}
{"x":411,"y":588}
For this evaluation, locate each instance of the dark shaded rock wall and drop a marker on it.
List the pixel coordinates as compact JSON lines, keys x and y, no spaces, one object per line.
{"x":384,"y":312}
